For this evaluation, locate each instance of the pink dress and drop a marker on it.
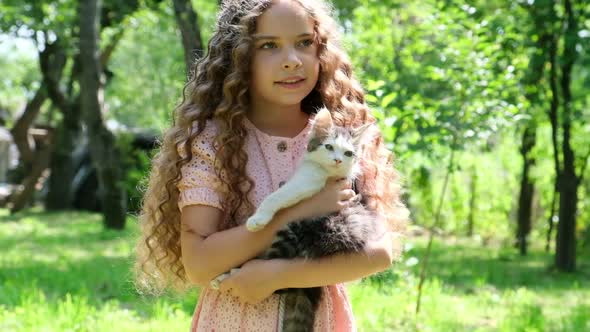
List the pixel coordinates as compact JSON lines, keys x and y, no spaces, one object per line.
{"x":272,"y":160}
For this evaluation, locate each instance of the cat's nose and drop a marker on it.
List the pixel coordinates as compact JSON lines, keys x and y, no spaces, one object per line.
{"x":338,"y":161}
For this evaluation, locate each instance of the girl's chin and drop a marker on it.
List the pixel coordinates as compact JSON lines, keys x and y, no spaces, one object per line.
{"x":288,"y":100}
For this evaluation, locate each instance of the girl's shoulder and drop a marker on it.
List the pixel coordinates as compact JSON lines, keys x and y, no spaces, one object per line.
{"x":203,"y":143}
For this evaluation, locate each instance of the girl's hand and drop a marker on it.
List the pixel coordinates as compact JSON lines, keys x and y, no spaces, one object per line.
{"x":335,"y":196}
{"x":254,"y":281}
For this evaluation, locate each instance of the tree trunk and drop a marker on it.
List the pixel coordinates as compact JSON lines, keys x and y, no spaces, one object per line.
{"x":525,"y":201}
{"x":565,"y":249}
{"x":472,"y":200}
{"x":59,"y":194}
{"x":103,"y":150}
{"x":187,"y":21}
{"x":539,"y":12}
{"x":551,"y":220}
{"x":20,"y":200}
{"x":20,"y":130}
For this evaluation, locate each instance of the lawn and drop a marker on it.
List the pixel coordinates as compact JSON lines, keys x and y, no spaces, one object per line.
{"x":63,"y":272}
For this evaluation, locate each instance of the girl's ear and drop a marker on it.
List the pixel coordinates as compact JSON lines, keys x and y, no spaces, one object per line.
{"x":322,"y":123}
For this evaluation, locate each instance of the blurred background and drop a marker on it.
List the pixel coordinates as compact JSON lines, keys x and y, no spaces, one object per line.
{"x":485,"y":104}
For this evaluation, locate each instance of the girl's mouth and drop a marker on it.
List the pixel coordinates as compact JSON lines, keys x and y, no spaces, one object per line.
{"x":291,"y":84}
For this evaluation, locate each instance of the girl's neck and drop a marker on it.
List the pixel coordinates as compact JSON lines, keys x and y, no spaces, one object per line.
{"x":287,"y":121}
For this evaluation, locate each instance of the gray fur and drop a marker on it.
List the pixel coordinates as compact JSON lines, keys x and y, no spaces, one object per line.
{"x":314,"y":143}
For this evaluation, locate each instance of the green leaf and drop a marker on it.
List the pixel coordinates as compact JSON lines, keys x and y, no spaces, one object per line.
{"x":388,"y":99}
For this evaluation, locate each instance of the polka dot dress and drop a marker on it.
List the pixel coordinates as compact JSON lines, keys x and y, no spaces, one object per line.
{"x":272,"y":161}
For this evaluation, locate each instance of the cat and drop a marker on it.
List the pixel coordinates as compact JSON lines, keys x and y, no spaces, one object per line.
{"x":332,"y":152}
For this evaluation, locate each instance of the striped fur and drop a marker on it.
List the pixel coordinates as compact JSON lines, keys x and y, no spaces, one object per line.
{"x":338,"y":233}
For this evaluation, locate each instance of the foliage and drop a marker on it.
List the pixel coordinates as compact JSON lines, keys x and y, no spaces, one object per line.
{"x":438,"y":72}
{"x":17,"y":57}
{"x":147,"y":78}
{"x":148,"y":67}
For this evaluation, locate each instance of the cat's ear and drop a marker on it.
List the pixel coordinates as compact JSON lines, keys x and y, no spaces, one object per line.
{"x":322,"y":123}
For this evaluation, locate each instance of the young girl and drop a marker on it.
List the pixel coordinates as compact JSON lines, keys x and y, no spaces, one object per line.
{"x":238,"y":135}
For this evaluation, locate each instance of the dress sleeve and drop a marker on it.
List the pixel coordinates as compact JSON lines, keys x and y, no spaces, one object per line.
{"x":199,"y":184}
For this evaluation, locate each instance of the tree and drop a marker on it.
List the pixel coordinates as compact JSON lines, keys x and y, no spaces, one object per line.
{"x":55,"y":36}
{"x":105,"y":156}
{"x":568,"y":179}
{"x":532,"y":79}
{"x":187,"y":21}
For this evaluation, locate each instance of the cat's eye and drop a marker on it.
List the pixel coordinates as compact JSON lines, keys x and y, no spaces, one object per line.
{"x":349,"y":153}
{"x":329,"y":147}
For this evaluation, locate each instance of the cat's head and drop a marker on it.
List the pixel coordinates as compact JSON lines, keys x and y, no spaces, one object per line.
{"x":335,"y":148}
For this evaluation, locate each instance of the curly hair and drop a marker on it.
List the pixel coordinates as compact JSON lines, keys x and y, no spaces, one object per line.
{"x":219,"y":89}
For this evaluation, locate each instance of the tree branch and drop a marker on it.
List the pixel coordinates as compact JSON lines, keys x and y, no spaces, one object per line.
{"x":108,"y":51}
{"x":52,"y":61}
{"x":21,"y":128}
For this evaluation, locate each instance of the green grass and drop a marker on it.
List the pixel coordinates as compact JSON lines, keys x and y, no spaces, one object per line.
{"x":474,"y":288}
{"x":63,"y":272}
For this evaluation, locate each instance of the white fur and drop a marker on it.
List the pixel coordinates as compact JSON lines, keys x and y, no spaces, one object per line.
{"x":308,"y":179}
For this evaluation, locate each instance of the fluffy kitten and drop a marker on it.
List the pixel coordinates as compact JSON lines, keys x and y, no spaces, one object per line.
{"x":332,"y":152}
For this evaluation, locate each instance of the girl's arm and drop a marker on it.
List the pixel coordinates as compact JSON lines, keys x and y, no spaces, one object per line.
{"x":207,"y":252}
{"x":300,"y":273}
{"x":258,"y":279}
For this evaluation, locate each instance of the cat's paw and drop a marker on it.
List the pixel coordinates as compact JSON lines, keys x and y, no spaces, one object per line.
{"x":258,"y":222}
{"x":214,"y":284}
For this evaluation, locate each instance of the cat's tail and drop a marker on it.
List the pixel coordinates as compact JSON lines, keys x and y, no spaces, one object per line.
{"x":300,"y":309}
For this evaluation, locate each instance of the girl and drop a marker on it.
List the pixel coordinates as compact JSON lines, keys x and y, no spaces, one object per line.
{"x":239,"y":133}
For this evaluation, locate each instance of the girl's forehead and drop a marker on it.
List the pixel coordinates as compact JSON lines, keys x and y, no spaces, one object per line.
{"x":284,"y":18}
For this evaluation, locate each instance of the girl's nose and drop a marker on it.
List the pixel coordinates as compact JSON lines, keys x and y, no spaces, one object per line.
{"x":292,"y":61}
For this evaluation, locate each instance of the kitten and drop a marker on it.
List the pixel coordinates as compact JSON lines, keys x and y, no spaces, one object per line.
{"x":332,"y":152}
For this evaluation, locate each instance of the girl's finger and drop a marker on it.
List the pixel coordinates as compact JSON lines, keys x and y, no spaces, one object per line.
{"x":336,"y":180}
{"x":346,"y":194}
{"x":346,"y":184}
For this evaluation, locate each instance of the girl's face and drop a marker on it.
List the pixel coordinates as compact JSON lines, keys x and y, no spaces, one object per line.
{"x":285,"y":63}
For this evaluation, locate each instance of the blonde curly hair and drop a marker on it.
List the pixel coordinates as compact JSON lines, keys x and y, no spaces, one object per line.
{"x":219,"y":89}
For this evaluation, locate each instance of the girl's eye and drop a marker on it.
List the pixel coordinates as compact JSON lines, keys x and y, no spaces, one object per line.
{"x":349,"y":153}
{"x":306,"y":42}
{"x":268,"y":45}
{"x":329,"y":147}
